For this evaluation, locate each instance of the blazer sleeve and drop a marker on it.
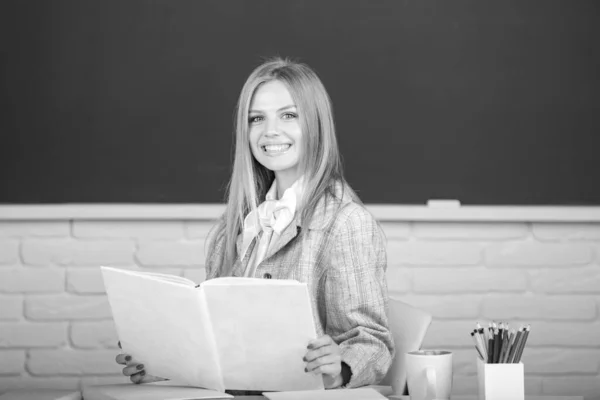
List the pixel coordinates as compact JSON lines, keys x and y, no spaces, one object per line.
{"x":356,"y":297}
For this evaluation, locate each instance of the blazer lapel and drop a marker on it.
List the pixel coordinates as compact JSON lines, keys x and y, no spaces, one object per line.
{"x":278,"y":242}
{"x":238,"y":245}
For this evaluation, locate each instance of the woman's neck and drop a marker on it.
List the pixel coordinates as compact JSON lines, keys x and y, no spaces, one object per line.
{"x":282,"y":183}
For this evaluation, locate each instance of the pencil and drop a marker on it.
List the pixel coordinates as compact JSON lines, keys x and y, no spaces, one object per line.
{"x":516,"y":344}
{"x":477,"y":345}
{"x":497,"y":339}
{"x":509,"y":340}
{"x":504,"y":346}
{"x":482,"y":343}
{"x":522,"y":346}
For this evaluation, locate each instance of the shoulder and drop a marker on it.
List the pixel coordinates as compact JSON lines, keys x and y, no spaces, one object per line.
{"x":353,"y":219}
{"x":341,"y":207}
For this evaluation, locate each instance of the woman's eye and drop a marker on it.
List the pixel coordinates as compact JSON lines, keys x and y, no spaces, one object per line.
{"x":289,"y":115}
{"x":254,"y":119}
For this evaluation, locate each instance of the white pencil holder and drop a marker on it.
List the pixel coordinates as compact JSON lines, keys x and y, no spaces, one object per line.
{"x":501,"y":381}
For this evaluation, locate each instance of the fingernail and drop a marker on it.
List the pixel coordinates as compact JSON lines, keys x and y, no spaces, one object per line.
{"x":309,"y":347}
{"x":142,"y":373}
{"x":140,"y":366}
{"x":304,"y":359}
{"x":305,"y":369}
{"x":127,"y":358}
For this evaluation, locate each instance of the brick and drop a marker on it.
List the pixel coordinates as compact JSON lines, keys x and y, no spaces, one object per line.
{"x":77,"y":252}
{"x":159,"y":253}
{"x":9,"y":251}
{"x":28,"y":382}
{"x":398,"y":279}
{"x":529,"y":308}
{"x":34,"y":228}
{"x":468,"y":280}
{"x":433,"y":253}
{"x":566,"y":231}
{"x":564,"y":334}
{"x":198,"y":275}
{"x":72,"y":362}
{"x":11,"y":307}
{"x":128,"y":229}
{"x":82,"y":280}
{"x":67,"y":307}
{"x":12,"y":362}
{"x":446,"y":307}
{"x":93,"y":335}
{"x":560,"y":361}
{"x":586,"y":386}
{"x":30,"y":334}
{"x":571,"y":280}
{"x":396,"y":230}
{"x":85,"y":281}
{"x":464,"y":361}
{"x":451,"y":230}
{"x":449,"y":334}
{"x":538,"y":254}
{"x":32,"y":280}
{"x":198,"y":229}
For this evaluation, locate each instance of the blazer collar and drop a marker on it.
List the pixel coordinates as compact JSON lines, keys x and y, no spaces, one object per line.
{"x":325,"y":211}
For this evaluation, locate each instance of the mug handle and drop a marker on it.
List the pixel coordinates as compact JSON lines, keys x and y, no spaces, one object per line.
{"x":431,"y":383}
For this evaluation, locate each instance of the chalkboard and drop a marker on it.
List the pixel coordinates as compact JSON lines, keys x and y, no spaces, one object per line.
{"x":491,"y":103}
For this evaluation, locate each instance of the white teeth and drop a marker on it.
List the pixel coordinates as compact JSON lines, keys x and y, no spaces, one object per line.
{"x":276,"y":147}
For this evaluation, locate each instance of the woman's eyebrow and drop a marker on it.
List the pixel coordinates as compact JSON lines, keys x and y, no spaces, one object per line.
{"x":281,"y":109}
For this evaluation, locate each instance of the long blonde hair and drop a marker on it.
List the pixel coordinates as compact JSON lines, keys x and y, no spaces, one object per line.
{"x":320,"y":160}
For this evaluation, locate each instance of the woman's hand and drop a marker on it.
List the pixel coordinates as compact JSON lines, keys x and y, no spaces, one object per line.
{"x":324,"y":357}
{"x":135,"y":370}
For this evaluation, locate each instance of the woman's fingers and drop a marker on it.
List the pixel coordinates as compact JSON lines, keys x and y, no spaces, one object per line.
{"x":330,"y":364}
{"x":133,"y":369}
{"x":137,"y":377}
{"x":321,"y":341}
{"x":325,"y":357}
{"x":123,"y":359}
{"x":312,"y":355}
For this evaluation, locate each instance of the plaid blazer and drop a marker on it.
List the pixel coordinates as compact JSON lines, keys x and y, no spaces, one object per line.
{"x":341,"y":255}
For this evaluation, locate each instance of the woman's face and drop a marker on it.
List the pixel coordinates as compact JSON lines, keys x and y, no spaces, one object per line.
{"x":275,"y":133}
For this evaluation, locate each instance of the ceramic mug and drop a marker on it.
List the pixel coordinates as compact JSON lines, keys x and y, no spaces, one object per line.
{"x":429,"y":374}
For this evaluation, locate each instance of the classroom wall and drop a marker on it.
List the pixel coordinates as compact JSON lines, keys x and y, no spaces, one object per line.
{"x":56,"y":329}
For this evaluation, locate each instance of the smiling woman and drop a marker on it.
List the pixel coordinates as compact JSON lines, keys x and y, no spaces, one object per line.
{"x":290,"y":214}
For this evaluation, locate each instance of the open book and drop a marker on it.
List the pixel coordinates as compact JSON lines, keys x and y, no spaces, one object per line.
{"x":226,"y":333}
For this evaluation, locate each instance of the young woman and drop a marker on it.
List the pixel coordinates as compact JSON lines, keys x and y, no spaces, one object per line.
{"x":291,"y":215}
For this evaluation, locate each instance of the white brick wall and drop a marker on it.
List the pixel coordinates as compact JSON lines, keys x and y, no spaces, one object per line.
{"x":56,"y":329}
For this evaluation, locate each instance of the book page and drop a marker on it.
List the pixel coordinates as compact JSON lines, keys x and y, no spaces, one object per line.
{"x":262,"y":328}
{"x":149,"y":391}
{"x":164,"y":325}
{"x":335,"y":394}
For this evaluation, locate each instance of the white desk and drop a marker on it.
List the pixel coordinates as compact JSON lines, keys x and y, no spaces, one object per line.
{"x":47,"y":394}
{"x":464,"y":397}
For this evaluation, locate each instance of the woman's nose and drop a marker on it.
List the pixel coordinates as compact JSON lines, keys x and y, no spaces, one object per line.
{"x":272,"y":127}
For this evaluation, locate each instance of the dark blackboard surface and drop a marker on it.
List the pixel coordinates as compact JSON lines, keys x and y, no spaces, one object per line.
{"x":132,"y":101}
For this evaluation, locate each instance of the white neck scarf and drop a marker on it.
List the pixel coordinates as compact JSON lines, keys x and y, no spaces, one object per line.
{"x":271,"y":215}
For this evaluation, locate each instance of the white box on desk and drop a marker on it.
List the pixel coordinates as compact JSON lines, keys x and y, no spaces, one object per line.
{"x":500,"y":381}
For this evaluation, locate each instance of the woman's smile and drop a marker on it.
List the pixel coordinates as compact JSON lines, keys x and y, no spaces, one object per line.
{"x":275,"y":149}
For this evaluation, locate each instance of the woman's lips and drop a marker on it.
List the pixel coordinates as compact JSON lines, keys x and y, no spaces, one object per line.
{"x":275,"y":148}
